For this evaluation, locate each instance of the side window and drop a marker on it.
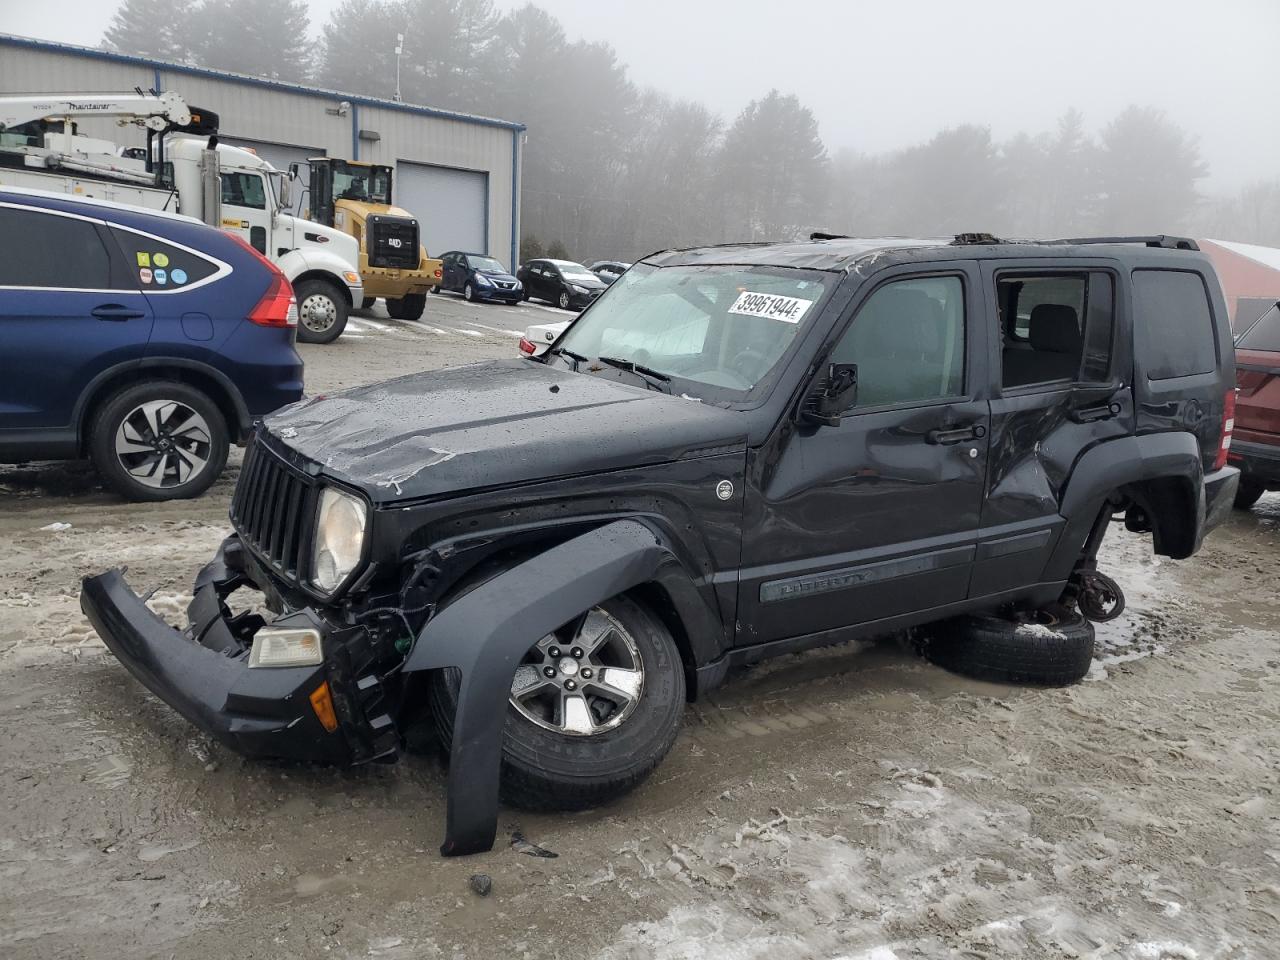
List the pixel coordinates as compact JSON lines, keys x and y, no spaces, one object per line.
{"x":47,"y":250}
{"x":908,"y":342}
{"x":1055,"y":327}
{"x":161,"y":266}
{"x":244,"y":190}
{"x":1174,"y":324}
{"x":1264,"y":334}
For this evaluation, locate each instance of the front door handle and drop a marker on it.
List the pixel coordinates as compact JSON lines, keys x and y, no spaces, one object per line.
{"x":958,"y":435}
{"x":1104,"y":411}
{"x":117,"y":312}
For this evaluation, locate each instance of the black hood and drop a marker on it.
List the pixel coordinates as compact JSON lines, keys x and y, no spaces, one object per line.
{"x":493,"y":424}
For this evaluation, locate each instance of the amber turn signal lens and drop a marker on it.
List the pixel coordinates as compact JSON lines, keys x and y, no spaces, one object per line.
{"x":322,"y":704}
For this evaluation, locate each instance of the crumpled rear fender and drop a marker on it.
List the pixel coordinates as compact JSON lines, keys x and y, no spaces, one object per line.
{"x":486,"y":634}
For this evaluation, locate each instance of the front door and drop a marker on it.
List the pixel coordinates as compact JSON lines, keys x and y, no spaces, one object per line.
{"x":246,"y":208}
{"x":69,"y":310}
{"x":876,"y":516}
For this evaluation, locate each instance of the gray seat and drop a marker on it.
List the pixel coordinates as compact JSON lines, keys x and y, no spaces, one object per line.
{"x":1056,"y":345}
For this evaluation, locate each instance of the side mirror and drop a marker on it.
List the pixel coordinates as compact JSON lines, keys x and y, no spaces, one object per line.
{"x":838,"y":394}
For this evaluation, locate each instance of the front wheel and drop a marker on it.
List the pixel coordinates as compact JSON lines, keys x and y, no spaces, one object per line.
{"x":409,"y":307}
{"x":1248,"y":493}
{"x":595,"y":706}
{"x":160,"y":440}
{"x":564,"y":300}
{"x":468,"y":292}
{"x":322,"y":311}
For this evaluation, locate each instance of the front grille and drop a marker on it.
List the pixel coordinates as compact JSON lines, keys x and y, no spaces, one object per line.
{"x":505,"y":284}
{"x":393,"y":242}
{"x":271,"y":510}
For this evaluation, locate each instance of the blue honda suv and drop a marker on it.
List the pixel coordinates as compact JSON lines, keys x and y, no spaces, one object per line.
{"x":145,"y":341}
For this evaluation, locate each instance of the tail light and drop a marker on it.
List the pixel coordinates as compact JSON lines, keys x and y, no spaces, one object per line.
{"x":278,"y":307}
{"x":526,"y":346}
{"x":1228,"y":426}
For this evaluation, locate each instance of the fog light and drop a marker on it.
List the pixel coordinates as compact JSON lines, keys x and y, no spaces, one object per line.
{"x":285,"y":647}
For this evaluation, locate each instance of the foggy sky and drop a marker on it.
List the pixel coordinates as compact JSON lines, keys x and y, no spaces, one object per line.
{"x":884,"y":75}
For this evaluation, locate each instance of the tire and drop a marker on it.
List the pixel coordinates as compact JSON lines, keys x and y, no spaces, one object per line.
{"x":368,"y":302}
{"x":564,"y":300}
{"x":1248,"y":492}
{"x":468,"y":292}
{"x":1053,"y":651}
{"x":322,"y":311}
{"x":543,"y":769}
{"x":123,"y":427}
{"x":435,"y":289}
{"x":410,"y":307}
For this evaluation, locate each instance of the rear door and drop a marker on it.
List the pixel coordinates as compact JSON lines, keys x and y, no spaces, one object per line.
{"x":70,"y":309}
{"x":1063,"y":382}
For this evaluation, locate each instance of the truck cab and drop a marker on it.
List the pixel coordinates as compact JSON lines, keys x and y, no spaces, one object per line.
{"x":355,"y":198}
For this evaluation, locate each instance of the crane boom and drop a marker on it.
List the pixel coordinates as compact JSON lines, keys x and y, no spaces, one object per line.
{"x":158,"y":112}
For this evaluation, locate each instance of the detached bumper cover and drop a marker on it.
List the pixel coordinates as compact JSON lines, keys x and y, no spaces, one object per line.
{"x":203,"y":673}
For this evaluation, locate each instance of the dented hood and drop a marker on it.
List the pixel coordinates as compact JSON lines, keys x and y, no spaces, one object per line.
{"x":505,"y":422}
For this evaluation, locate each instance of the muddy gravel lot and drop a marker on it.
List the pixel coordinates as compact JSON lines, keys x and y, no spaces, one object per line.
{"x":854,"y":802}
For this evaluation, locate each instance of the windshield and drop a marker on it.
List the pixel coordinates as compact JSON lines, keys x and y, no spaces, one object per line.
{"x":1263,"y":333}
{"x":723,"y":328}
{"x":365,"y":184}
{"x":486,"y":265}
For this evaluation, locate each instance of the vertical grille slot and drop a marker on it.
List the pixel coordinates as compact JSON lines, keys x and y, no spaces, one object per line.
{"x":269,"y":509}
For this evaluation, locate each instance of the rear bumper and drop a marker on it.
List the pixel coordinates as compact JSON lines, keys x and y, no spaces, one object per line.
{"x":1219,"y":493}
{"x":1259,"y":461}
{"x":203,"y":671}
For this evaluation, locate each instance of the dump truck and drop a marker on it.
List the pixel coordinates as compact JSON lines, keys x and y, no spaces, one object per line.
{"x":355,"y":197}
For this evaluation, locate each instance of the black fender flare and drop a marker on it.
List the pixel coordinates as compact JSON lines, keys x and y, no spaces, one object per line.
{"x":1110,"y":465}
{"x":487,"y":632}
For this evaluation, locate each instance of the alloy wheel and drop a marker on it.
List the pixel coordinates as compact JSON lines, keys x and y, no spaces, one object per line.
{"x":564,"y":301}
{"x":163,"y":443}
{"x":318,"y":313}
{"x":582,"y":680}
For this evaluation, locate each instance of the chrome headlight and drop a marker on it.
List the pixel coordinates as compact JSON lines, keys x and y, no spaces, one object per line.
{"x":578,"y":287}
{"x":339,"y":540}
{"x":483,"y":280}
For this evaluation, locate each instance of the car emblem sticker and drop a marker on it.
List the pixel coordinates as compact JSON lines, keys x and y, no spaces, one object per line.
{"x":724,"y":489}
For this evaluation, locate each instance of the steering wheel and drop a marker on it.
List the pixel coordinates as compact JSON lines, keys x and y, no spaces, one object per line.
{"x":749,"y":363}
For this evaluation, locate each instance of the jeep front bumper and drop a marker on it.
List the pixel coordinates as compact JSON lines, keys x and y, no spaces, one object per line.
{"x":203,"y":671}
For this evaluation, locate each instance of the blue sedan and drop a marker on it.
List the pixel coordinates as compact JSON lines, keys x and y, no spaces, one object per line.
{"x":479,"y":277}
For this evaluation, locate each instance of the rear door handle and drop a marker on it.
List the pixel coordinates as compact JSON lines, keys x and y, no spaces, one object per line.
{"x":116,"y":311}
{"x":1103,"y":411}
{"x":958,"y":435}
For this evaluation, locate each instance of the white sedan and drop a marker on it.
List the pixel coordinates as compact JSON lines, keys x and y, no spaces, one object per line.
{"x":538,"y":338}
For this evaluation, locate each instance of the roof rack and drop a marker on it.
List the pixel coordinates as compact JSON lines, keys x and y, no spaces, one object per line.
{"x":1162,"y":241}
{"x":963,"y":239}
{"x":823,"y":235}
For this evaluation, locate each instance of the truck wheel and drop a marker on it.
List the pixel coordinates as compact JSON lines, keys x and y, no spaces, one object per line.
{"x":1248,"y":492}
{"x":158,"y":440}
{"x":322,"y":311}
{"x":409,"y":307}
{"x":1050,"y":649}
{"x":594,"y":708}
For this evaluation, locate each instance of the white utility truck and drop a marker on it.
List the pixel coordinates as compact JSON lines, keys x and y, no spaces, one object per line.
{"x":224,"y":186}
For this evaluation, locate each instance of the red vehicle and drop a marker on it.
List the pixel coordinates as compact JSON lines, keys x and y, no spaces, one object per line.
{"x":1255,"y":447}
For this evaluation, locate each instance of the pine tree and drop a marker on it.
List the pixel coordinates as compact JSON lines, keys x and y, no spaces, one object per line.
{"x":255,"y":38}
{"x":151,"y":28}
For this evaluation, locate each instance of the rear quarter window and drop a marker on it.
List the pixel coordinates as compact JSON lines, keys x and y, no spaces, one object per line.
{"x":1174,"y":323}
{"x":159,"y":266}
{"x":1264,"y":334}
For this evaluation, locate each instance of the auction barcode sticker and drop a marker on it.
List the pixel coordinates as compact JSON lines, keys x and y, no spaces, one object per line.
{"x":770,"y":305}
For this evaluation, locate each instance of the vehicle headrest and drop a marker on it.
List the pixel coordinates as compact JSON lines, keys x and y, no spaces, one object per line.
{"x":1054,"y":328}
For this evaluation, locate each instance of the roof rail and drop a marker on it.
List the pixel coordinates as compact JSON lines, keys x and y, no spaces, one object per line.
{"x":962,"y":239}
{"x":823,"y":235}
{"x":1161,"y":240}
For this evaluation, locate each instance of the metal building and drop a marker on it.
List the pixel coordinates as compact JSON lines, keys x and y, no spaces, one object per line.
{"x":459,"y":174}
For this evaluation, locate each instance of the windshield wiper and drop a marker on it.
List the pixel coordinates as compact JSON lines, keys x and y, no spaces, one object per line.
{"x":577,"y":358}
{"x":647,"y":372}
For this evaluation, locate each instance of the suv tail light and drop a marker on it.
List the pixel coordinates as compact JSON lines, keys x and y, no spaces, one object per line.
{"x":1228,"y":425}
{"x":526,"y":346}
{"x":278,"y":307}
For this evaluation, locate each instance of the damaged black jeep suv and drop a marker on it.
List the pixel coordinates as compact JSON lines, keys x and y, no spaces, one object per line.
{"x":736,"y":452}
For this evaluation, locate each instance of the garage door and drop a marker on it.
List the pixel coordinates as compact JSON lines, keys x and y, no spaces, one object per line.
{"x":280,"y":155}
{"x":452,"y":205}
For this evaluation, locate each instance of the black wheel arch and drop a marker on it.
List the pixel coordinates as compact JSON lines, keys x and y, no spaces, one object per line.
{"x":214,"y":383}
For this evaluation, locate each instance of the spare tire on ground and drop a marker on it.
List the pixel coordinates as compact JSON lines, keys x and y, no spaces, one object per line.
{"x":1052,"y":648}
